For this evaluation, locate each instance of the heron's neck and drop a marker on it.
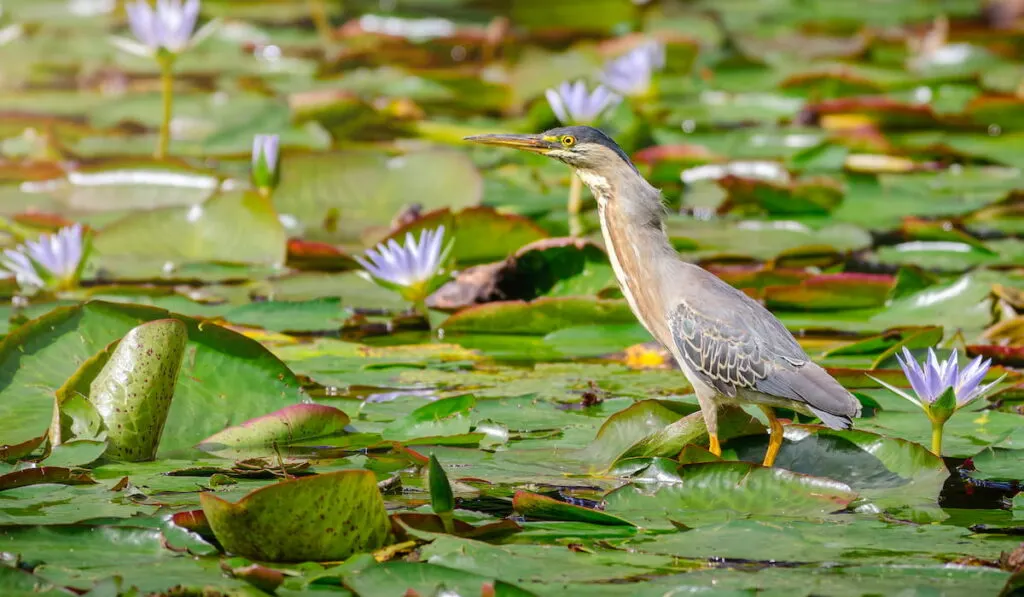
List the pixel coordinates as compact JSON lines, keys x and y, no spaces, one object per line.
{"x":638,"y":248}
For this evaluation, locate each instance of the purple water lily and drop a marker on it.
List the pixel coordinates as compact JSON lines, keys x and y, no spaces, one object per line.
{"x":573,"y":103}
{"x":412,"y":269}
{"x":53,"y":257}
{"x":162,"y":33}
{"x":631,"y":73}
{"x":931,"y":378}
{"x":169,"y":26}
{"x":166,"y":30}
{"x":933,"y":381}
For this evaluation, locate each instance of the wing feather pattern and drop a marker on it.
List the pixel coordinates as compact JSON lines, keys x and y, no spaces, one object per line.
{"x":763,"y":357}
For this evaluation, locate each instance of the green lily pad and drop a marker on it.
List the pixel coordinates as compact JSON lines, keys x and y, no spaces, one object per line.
{"x":351,"y":197}
{"x":738,"y":487}
{"x":445,"y":417}
{"x":541,"y":507}
{"x":134,"y":390}
{"x":831,"y":292}
{"x":625,"y":428}
{"x":538,"y":317}
{"x":798,"y":197}
{"x":691,"y":429}
{"x":320,"y":314}
{"x":289,"y":425}
{"x":323,"y":517}
{"x":761,"y":240}
{"x":36,"y":358}
{"x":235,"y":227}
{"x":887,"y":470}
{"x":45,"y":474}
{"x":426,"y":579}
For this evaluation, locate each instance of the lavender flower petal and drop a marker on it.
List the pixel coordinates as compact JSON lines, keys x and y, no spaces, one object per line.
{"x":972,"y":375}
{"x":572,"y":103}
{"x":410,"y":264}
{"x":169,"y":25}
{"x":631,"y":73}
{"x":58,"y":256}
{"x":932,"y":378}
{"x":916,"y":377}
{"x":557,"y":106}
{"x":141,"y":21}
{"x":267,"y":147}
{"x":271,"y":145}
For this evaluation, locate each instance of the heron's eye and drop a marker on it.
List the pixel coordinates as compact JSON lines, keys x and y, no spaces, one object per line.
{"x":568,"y":140}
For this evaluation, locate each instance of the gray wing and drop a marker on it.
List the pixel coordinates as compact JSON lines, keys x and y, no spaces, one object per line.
{"x":731,"y":342}
{"x":728,"y":356}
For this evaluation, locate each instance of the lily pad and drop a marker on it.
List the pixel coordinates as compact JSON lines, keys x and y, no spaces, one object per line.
{"x":351,"y":197}
{"x":738,"y":487}
{"x":36,"y":358}
{"x":134,"y":390}
{"x":323,"y":517}
{"x":235,"y":227}
{"x":541,"y":507}
{"x":538,"y":317}
{"x":289,"y":425}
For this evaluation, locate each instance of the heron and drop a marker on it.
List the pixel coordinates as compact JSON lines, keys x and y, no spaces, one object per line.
{"x":731,"y":349}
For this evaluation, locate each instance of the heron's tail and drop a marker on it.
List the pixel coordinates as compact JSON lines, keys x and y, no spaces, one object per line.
{"x":812,"y":385}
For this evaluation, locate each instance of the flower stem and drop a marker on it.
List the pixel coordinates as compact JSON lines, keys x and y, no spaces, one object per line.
{"x":420,"y":306}
{"x":167,"y":91}
{"x":318,"y":12}
{"x":575,"y":205}
{"x":937,"y":437}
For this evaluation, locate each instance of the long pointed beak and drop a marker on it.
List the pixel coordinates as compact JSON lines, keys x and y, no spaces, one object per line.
{"x":533,"y":143}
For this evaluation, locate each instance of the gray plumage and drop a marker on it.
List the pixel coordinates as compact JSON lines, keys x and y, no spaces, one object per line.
{"x":735,"y":344}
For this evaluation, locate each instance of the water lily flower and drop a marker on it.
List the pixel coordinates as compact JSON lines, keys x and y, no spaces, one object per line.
{"x":162,"y":33}
{"x":53,"y":261}
{"x":264,"y":161}
{"x":167,"y":28}
{"x":573,"y":104}
{"x":413,"y":270}
{"x":631,"y":73}
{"x":941,"y":388}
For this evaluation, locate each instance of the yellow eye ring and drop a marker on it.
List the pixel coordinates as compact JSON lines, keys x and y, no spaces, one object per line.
{"x":568,"y":140}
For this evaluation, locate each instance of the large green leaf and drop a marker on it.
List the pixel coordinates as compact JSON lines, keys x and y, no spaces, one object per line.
{"x":542,"y":507}
{"x":324,"y":517}
{"x":234,"y":227}
{"x":424,"y":578}
{"x":445,"y":417}
{"x":79,"y":555}
{"x":284,"y":427}
{"x":541,"y":316}
{"x":739,"y":488}
{"x":891,"y":471}
{"x":352,"y":197}
{"x":134,"y":390}
{"x":225,"y":378}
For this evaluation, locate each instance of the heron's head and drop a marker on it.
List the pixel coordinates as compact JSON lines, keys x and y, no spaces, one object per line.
{"x":582,"y":147}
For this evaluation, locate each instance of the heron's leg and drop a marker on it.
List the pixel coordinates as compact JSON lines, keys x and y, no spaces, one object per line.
{"x":709,"y":410}
{"x":775,"y":439}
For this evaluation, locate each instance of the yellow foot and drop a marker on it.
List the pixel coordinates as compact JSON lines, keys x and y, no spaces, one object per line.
{"x":714,"y":447}
{"x":775,"y":439}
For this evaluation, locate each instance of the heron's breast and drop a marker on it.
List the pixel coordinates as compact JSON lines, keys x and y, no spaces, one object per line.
{"x":631,"y":271}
